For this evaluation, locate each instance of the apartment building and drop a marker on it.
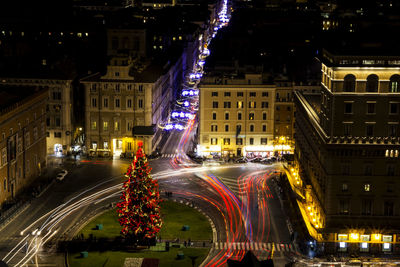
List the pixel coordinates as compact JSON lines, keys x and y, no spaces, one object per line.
{"x":236,"y":116}
{"x":22,"y":137}
{"x":347,"y":147}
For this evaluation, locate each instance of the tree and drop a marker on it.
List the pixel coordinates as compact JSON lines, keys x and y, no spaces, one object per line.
{"x":139,"y":209}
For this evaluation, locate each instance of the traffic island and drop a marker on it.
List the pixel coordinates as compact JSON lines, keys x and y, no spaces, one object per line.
{"x":106,"y":247}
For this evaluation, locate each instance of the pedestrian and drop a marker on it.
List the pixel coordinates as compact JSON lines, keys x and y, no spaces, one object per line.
{"x":184,"y":243}
{"x":189,"y":242}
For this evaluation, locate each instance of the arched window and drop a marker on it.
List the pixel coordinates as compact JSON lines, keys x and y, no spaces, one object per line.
{"x":372,"y":83}
{"x":394,"y":85}
{"x":349,"y":84}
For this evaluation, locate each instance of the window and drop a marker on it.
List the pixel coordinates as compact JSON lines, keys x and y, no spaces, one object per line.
{"x":366,"y":207}
{"x":388,"y":208}
{"x":278,"y":108}
{"x":239,"y":104}
{"x":369,"y":129}
{"x":105,"y":102}
{"x":367,"y":187}
{"x":94,"y":125}
{"x":57,"y":134}
{"x":57,"y":95}
{"x":105,"y":145}
{"x":394,"y":84}
{"x":35,"y":133}
{"x":129,"y":87}
{"x":349,"y":84}
{"x":393,"y":108}
{"x":4,"y":157}
{"x":253,"y":94}
{"x":58,"y":121}
{"x":94,"y":102}
{"x":251,"y":141}
{"x":264,"y":104}
{"x":140,"y":88}
{"x":390,"y":170}
{"x":348,"y":108}
{"x":105,"y":125}
{"x":344,"y":207}
{"x":251,"y":116}
{"x":238,"y":129}
{"x":129,"y":126}
{"x":368,"y":170}
{"x":264,"y":128}
{"x":239,"y":141}
{"x":252,"y":128}
{"x":252,"y":104}
{"x":345,"y":187}
{"x":117,"y":103}
{"x":226,"y":116}
{"x":239,"y":116}
{"x":117,"y":88}
{"x":371,"y":107}
{"x":214,"y":141}
{"x":214,"y":128}
{"x":393,"y":130}
{"x":372,"y":83}
{"x":116,"y":126}
{"x":264,"y":141}
{"x":347,"y":127}
{"x":227,"y":104}
{"x":214,"y":93}
{"x":140,"y":103}
{"x":239,"y":94}
{"x":215,"y":104}
{"x":227,"y":93}
{"x":264,"y":116}
{"x":129,"y":103}
{"x":264,"y":94}
{"x":214,"y":116}
{"x":227,"y":141}
{"x":48,"y":121}
{"x":226,"y":128}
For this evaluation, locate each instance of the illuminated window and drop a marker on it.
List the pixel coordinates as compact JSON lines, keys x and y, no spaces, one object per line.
{"x":239,"y":104}
{"x":345,"y":187}
{"x":227,"y":141}
{"x":214,"y":141}
{"x":252,"y":104}
{"x":94,"y":125}
{"x":105,"y":125}
{"x":367,"y":187}
{"x":116,"y":126}
{"x":251,"y":116}
{"x":394,"y":85}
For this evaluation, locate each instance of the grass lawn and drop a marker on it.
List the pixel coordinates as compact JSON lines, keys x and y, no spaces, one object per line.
{"x":117,"y":258}
{"x":175,"y":215}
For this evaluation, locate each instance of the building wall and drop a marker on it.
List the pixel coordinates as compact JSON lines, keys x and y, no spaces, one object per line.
{"x":353,"y":173}
{"x":22,"y":144}
{"x":59,"y":110}
{"x":216,"y":139}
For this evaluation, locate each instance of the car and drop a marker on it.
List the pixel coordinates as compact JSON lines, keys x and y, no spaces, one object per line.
{"x":240,"y":160}
{"x":266,"y":161}
{"x":60,"y":176}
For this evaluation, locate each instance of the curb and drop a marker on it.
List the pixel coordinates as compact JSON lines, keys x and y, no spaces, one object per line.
{"x":15,"y":214}
{"x":209,"y":220}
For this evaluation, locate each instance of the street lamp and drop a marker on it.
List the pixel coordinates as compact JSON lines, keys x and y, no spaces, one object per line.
{"x":282,"y":140}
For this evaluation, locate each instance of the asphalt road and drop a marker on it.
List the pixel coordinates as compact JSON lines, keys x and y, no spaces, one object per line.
{"x":229,"y":195}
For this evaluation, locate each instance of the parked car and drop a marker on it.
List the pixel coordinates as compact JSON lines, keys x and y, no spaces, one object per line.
{"x":60,"y":176}
{"x":240,"y":160}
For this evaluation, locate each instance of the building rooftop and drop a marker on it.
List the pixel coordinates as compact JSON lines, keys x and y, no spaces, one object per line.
{"x":11,"y":95}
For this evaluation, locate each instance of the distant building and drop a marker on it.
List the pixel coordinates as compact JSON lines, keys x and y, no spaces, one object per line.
{"x":22,"y":137}
{"x":347,"y":153}
{"x":123,"y":108}
{"x":59,"y":110}
{"x":236,"y":116}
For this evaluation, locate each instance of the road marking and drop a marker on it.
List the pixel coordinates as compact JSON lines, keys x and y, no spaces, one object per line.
{"x":256,"y":246}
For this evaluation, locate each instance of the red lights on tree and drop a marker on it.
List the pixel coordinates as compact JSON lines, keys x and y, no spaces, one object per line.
{"x":139,"y":209}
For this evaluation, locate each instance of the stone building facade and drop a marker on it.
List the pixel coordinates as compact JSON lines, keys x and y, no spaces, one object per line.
{"x":347,"y":147}
{"x":22,"y":137}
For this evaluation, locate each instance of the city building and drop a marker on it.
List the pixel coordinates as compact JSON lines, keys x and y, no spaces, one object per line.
{"x":123,"y":108}
{"x":347,"y":153}
{"x":236,"y":116}
{"x":59,"y":110}
{"x":22,"y":137}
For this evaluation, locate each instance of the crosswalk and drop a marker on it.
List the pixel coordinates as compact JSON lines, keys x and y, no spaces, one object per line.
{"x":168,"y":155}
{"x":255,"y":246}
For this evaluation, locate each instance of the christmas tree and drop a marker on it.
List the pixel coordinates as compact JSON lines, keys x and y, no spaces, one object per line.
{"x":139,"y":209}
